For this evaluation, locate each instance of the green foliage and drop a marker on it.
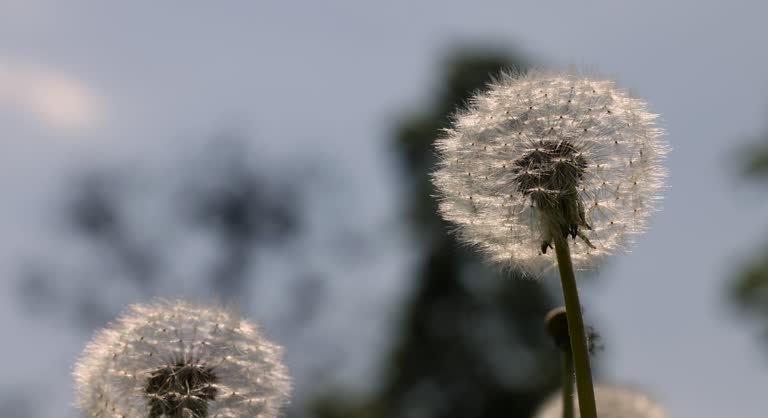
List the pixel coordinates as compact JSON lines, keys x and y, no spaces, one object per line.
{"x":757,"y":159}
{"x":750,"y":288}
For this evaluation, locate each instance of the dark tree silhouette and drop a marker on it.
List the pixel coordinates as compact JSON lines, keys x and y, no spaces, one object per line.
{"x":471,"y":341}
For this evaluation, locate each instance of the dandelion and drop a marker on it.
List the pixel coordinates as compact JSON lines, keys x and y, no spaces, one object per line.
{"x":177,"y":359}
{"x":612,"y":402}
{"x":543,"y":157}
{"x":547,"y":154}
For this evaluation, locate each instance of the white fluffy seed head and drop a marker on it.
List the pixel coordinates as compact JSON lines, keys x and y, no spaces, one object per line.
{"x":612,"y":402}
{"x":544,"y":153}
{"x":180,"y":359}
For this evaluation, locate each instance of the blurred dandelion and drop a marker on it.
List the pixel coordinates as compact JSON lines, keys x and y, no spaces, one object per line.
{"x":542,"y":154}
{"x":612,"y":402}
{"x":177,"y":359}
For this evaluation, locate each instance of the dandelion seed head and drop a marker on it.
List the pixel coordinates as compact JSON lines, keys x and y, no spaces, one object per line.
{"x":612,"y":402}
{"x":543,"y":153}
{"x":178,"y":359}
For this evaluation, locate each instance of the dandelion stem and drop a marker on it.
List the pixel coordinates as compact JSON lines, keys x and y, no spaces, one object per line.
{"x":568,"y":384}
{"x":584,"y":387}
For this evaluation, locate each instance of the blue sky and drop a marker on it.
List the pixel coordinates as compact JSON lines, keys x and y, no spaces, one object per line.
{"x":131,"y":82}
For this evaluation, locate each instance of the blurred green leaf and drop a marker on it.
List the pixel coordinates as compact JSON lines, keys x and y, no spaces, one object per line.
{"x":757,"y":159}
{"x":750,"y":290}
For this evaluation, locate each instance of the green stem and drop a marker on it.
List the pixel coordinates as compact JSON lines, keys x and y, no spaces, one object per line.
{"x":568,"y":384}
{"x":584,"y":386}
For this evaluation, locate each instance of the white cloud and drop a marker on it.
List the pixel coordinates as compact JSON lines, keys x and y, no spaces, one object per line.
{"x":58,"y":100}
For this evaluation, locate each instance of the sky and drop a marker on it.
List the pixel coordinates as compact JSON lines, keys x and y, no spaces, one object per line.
{"x":131,"y":82}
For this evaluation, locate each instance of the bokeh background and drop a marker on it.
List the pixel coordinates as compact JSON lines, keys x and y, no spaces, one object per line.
{"x":274,"y":155}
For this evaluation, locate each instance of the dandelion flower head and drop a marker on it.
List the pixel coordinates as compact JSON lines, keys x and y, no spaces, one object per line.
{"x":612,"y":402}
{"x":541,"y":154}
{"x":178,"y":359}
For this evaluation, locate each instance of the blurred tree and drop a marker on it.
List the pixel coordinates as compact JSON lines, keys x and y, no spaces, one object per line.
{"x":750,"y":288}
{"x":471,"y":340}
{"x":220,"y":193}
{"x":241,"y":208}
{"x":96,"y":213}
